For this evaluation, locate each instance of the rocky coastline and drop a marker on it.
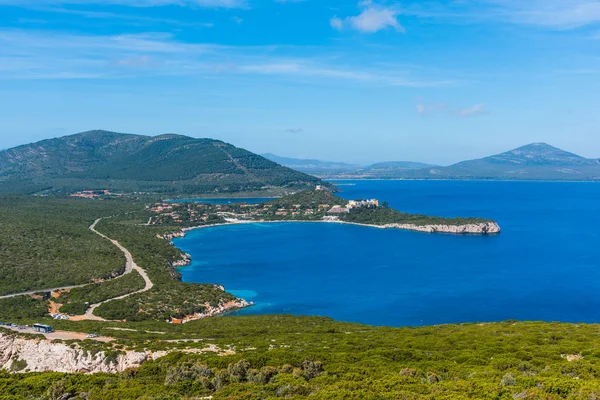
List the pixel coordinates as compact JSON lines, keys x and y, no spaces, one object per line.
{"x":211,"y":311}
{"x":186,"y":259}
{"x":484,"y":228}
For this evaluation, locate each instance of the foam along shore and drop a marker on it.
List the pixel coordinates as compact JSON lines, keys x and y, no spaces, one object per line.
{"x":482,"y":228}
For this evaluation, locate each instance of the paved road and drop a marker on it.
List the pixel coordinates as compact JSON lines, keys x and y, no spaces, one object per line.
{"x":42,"y":291}
{"x":130,"y":265}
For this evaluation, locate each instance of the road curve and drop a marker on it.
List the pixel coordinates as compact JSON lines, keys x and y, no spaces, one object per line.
{"x":129,"y":267}
{"x":41,"y":291}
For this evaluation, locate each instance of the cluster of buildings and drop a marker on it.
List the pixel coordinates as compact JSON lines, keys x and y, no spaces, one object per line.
{"x":362,"y":203}
{"x":353,"y":204}
{"x":195,"y":213}
{"x":91,"y":194}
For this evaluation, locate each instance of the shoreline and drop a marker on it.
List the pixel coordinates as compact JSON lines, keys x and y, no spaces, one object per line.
{"x":448,"y":229}
{"x":330,"y":180}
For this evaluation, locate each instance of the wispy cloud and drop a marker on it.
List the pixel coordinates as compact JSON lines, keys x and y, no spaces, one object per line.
{"x":425,"y":109}
{"x":372,"y":19}
{"x":294,"y":130}
{"x":127,"y":17}
{"x":46,"y":55}
{"x":310,"y":69}
{"x":131,"y":3}
{"x":477,"y":109}
{"x":554,"y":14}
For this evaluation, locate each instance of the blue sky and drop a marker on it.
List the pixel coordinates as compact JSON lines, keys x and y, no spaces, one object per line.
{"x":432,"y":81}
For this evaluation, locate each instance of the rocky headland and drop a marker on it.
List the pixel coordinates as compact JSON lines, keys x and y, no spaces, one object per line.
{"x":484,"y":228}
{"x":211,"y":311}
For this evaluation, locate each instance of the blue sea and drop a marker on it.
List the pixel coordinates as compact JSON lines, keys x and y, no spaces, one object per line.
{"x":545,"y":265}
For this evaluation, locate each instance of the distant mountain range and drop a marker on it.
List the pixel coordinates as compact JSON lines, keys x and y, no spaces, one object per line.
{"x":332,"y":168}
{"x":163,"y":164}
{"x":537,"y":161}
{"x":311,"y":166}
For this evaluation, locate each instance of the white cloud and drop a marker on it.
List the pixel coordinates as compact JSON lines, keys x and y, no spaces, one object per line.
{"x":134,"y":61}
{"x":294,"y":130}
{"x":372,"y":19}
{"x":425,"y":109}
{"x":336,"y":23}
{"x":311,"y":70}
{"x":477,"y":109}
{"x":555,"y":13}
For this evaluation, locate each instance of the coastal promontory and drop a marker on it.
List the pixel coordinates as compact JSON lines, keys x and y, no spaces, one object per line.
{"x":319,"y":205}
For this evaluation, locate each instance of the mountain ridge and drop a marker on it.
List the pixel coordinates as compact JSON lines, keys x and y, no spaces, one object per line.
{"x":168,"y":163}
{"x":323,"y":168}
{"x":534,"y":161}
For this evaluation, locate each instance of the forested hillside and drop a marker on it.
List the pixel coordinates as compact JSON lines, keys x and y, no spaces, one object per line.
{"x":45,"y":243}
{"x":283,"y":357}
{"x":171,"y":164}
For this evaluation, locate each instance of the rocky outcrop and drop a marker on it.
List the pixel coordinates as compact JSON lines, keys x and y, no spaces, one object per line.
{"x":222,"y":308}
{"x":484,"y":228}
{"x":185,"y":260}
{"x":21,"y":354}
{"x":172,"y":235}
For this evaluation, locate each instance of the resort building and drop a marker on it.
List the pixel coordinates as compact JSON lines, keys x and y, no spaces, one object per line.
{"x":339,"y":210}
{"x":363,"y":203}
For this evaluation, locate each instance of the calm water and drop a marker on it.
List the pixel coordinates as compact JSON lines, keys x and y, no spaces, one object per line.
{"x":544,"y":266}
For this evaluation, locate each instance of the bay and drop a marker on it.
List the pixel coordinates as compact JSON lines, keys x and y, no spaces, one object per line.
{"x":545,"y":265}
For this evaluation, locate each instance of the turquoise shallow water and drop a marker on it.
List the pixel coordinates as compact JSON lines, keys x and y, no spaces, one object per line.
{"x":544,"y":266}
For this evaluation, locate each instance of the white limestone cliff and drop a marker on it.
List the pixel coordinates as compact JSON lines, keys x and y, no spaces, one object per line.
{"x":21,"y":354}
{"x":484,"y":228}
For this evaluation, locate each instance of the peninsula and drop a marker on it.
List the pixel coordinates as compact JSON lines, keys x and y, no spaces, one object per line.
{"x":319,"y":205}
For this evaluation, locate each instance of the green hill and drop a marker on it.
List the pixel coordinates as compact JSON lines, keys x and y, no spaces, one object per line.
{"x":124,"y":162}
{"x":536,"y":161}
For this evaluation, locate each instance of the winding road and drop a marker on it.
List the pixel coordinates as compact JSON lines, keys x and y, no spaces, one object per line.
{"x":42,"y":291}
{"x":130,"y":266}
